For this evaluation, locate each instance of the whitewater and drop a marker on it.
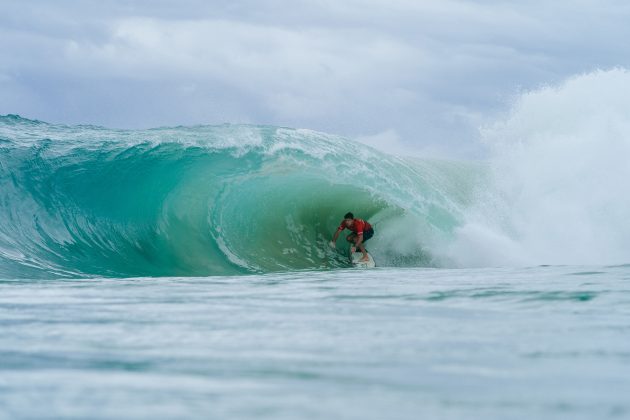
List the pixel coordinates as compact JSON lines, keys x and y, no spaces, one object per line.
{"x":185,"y":271}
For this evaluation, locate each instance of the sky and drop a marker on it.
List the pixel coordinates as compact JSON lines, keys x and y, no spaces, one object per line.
{"x":408,"y":76}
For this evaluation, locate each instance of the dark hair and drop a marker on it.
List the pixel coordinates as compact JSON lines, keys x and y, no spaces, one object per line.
{"x":349,"y":216}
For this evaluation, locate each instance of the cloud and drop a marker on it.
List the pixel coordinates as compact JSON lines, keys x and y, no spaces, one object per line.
{"x":277,"y":65}
{"x":431,"y":70}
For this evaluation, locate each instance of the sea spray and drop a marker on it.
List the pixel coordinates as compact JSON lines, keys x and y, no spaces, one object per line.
{"x":560,"y":167}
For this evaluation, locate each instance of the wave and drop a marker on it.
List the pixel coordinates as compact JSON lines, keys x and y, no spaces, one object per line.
{"x":233,"y":199}
{"x":82,"y":201}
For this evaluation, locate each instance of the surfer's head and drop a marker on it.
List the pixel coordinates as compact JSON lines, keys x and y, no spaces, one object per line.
{"x":348,"y":219}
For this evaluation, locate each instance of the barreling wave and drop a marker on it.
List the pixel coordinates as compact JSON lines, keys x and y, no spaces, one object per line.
{"x":81,"y":201}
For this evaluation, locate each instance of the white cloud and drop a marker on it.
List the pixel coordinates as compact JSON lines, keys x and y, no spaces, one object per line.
{"x":431,"y":70}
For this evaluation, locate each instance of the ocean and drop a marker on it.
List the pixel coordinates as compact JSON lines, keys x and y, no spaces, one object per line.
{"x":184,"y":272}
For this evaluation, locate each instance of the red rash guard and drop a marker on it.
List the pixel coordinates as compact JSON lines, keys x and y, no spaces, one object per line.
{"x":359,"y":226}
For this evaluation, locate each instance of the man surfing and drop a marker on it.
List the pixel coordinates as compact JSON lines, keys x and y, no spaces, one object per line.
{"x":361,"y":232}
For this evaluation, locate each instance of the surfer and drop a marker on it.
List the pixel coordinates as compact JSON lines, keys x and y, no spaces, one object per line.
{"x":361,"y":232}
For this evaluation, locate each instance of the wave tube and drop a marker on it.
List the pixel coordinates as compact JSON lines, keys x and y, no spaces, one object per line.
{"x":79,"y":201}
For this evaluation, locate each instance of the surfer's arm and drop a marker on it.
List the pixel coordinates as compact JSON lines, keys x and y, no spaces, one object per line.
{"x":335,"y":237}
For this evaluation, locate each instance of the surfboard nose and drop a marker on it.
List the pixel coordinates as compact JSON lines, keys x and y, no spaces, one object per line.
{"x":356,"y":258}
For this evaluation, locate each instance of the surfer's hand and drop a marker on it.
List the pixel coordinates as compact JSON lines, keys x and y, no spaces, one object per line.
{"x":332,"y":244}
{"x":353,"y":249}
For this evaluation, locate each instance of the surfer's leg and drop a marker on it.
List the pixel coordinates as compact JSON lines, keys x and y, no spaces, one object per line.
{"x":365,"y":254}
{"x":366,"y":235}
{"x":352,"y":238}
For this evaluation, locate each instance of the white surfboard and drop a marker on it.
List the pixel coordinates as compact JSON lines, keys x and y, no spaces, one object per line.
{"x":356,"y":260}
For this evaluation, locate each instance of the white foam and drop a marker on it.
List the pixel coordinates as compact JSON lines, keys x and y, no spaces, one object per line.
{"x":561,"y":167}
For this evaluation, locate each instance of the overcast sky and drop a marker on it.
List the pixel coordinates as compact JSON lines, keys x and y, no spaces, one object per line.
{"x":422,"y":74}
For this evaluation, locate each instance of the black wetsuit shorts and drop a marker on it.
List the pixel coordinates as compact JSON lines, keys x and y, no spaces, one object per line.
{"x":368,"y":234}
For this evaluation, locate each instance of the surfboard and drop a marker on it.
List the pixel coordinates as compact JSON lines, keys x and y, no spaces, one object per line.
{"x":356,"y":257}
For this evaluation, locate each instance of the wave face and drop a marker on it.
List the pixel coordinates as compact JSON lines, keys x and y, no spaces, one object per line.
{"x":82,"y":201}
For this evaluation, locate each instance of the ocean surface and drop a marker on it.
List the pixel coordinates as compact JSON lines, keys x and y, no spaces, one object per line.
{"x":531,"y":343}
{"x":185,"y":272}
